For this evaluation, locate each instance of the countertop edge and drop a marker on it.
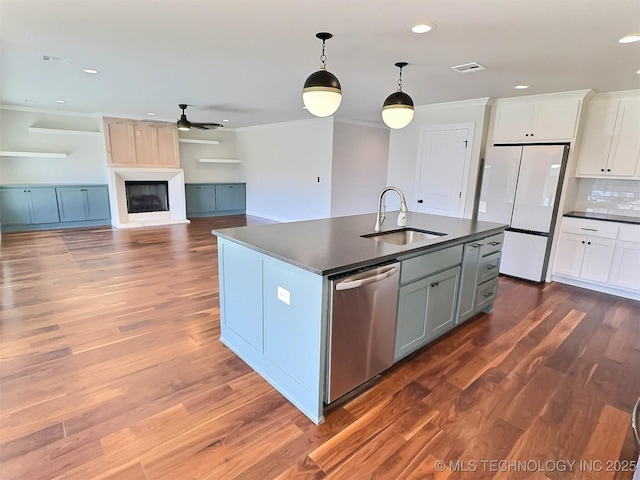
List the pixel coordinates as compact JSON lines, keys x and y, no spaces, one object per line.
{"x":604,"y":217}
{"x":410,"y":251}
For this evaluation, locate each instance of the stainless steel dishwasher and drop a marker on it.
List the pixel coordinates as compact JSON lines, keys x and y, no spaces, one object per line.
{"x":361,"y":327}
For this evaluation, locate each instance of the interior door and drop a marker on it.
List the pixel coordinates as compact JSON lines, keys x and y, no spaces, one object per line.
{"x":499,"y":180}
{"x":540,"y":172}
{"x":441,"y":184}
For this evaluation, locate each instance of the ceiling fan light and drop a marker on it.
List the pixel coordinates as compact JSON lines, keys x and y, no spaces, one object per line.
{"x":183,"y":123}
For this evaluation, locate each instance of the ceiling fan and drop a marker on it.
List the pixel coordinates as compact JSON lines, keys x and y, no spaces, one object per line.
{"x":184,"y":124}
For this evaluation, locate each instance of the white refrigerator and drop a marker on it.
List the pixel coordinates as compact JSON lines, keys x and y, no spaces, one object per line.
{"x":521,"y":187}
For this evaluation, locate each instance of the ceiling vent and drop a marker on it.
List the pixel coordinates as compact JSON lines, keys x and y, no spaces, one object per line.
{"x":469,"y":67}
{"x":51,"y":58}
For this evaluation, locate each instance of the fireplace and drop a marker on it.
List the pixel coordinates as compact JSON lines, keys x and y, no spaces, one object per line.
{"x":146,"y":196}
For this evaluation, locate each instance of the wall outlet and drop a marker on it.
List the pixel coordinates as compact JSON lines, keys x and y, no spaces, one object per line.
{"x":284,"y":295}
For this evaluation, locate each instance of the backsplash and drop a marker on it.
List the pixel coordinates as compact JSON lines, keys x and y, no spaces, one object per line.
{"x":617,"y":197}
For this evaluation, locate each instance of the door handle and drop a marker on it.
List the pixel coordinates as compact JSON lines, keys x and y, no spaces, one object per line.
{"x":349,"y":284}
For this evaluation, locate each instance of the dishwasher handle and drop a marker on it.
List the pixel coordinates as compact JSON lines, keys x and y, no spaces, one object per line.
{"x":349,"y":284}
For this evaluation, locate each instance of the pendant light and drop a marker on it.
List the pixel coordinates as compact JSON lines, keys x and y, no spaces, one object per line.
{"x":322,"y":93}
{"x":397,"y":111}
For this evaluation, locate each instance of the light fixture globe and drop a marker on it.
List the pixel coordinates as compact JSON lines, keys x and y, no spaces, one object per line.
{"x":397,"y":110}
{"x":322,"y":93}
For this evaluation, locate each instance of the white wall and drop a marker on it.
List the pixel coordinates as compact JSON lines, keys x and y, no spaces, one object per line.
{"x":196,"y":172}
{"x":359,"y":171}
{"x":281,"y":164}
{"x":86,"y":157}
{"x":403,"y":145}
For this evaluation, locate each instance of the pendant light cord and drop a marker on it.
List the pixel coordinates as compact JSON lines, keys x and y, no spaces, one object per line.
{"x":400,"y":81}
{"x":323,"y":58}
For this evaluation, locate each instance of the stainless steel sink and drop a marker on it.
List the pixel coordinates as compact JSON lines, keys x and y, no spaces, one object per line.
{"x":403,"y":236}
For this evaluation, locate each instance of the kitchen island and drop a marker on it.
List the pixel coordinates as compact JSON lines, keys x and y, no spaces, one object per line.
{"x":275,"y":289}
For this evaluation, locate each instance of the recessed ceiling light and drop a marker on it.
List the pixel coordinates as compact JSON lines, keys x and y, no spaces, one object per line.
{"x":423,"y":28}
{"x":634,"y":37}
{"x":151,"y":114}
{"x":90,"y":70}
{"x":225,"y":119}
{"x":61,"y":101}
{"x":638,"y":71}
{"x":521,"y":87}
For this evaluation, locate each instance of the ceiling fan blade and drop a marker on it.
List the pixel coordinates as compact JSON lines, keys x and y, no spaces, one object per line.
{"x":206,"y":126}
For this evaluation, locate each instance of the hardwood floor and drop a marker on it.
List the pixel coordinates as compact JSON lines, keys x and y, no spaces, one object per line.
{"x":111,"y":368}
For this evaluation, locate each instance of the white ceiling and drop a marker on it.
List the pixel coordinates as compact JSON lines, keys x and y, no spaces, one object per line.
{"x":246,"y":60}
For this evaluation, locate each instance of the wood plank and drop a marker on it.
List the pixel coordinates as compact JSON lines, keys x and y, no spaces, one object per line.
{"x":111,"y":367}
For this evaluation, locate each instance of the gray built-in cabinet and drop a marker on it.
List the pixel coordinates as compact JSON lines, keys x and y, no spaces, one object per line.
{"x":441,"y":289}
{"x":427,"y":298}
{"x":479,"y":282}
{"x":32,"y":207}
{"x":215,"y":199}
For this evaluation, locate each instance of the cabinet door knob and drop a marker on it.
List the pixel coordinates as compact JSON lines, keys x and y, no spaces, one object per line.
{"x":420,"y":201}
{"x":532,"y":134}
{"x":583,"y":242}
{"x":526,"y":134}
{"x":608,"y":169}
{"x":588,"y":243}
{"x":602,"y":169}
{"x":435,"y":284}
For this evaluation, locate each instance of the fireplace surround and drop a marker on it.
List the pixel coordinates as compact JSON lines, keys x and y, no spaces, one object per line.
{"x":120,"y":216}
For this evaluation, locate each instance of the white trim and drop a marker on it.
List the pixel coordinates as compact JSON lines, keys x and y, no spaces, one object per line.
{"x":196,"y":140}
{"x":470,"y":127}
{"x":574,"y":94}
{"x":62,"y":131}
{"x":219,"y":160}
{"x":33,"y":154}
{"x":267,"y":126}
{"x":474,"y":102}
{"x":596,"y":287}
{"x":20,"y":108}
{"x":362,"y":124}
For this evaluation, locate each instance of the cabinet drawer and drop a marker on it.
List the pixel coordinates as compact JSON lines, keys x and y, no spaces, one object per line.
{"x":418,"y":267}
{"x":491,"y":244}
{"x":592,"y":228}
{"x":486,"y":293}
{"x":489,"y":267}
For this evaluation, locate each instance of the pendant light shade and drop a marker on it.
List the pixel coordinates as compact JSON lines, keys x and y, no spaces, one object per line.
{"x":322,"y":93}
{"x":397,"y":110}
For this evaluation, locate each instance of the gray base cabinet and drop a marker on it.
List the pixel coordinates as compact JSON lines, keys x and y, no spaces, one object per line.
{"x":427,"y":299}
{"x":77,"y":204}
{"x":28,"y":206}
{"x":24,"y":208}
{"x":211,"y":199}
{"x":478,"y":285}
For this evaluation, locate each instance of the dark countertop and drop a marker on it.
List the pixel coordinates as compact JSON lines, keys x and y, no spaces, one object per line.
{"x":332,"y":245}
{"x":605,"y":217}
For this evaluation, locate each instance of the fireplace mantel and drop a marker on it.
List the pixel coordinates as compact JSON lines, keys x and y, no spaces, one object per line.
{"x":120,"y":218}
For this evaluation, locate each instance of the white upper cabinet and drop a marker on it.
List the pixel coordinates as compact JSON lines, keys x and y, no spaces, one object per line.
{"x":527,"y":121}
{"x":611,"y":142}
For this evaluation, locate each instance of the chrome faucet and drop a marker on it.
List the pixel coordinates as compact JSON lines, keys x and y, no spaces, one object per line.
{"x":402,"y":217}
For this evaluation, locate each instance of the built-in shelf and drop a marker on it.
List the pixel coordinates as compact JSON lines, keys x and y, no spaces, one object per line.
{"x":62,"y":131}
{"x":33,"y":154}
{"x":219,"y":160}
{"x":195,"y":140}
